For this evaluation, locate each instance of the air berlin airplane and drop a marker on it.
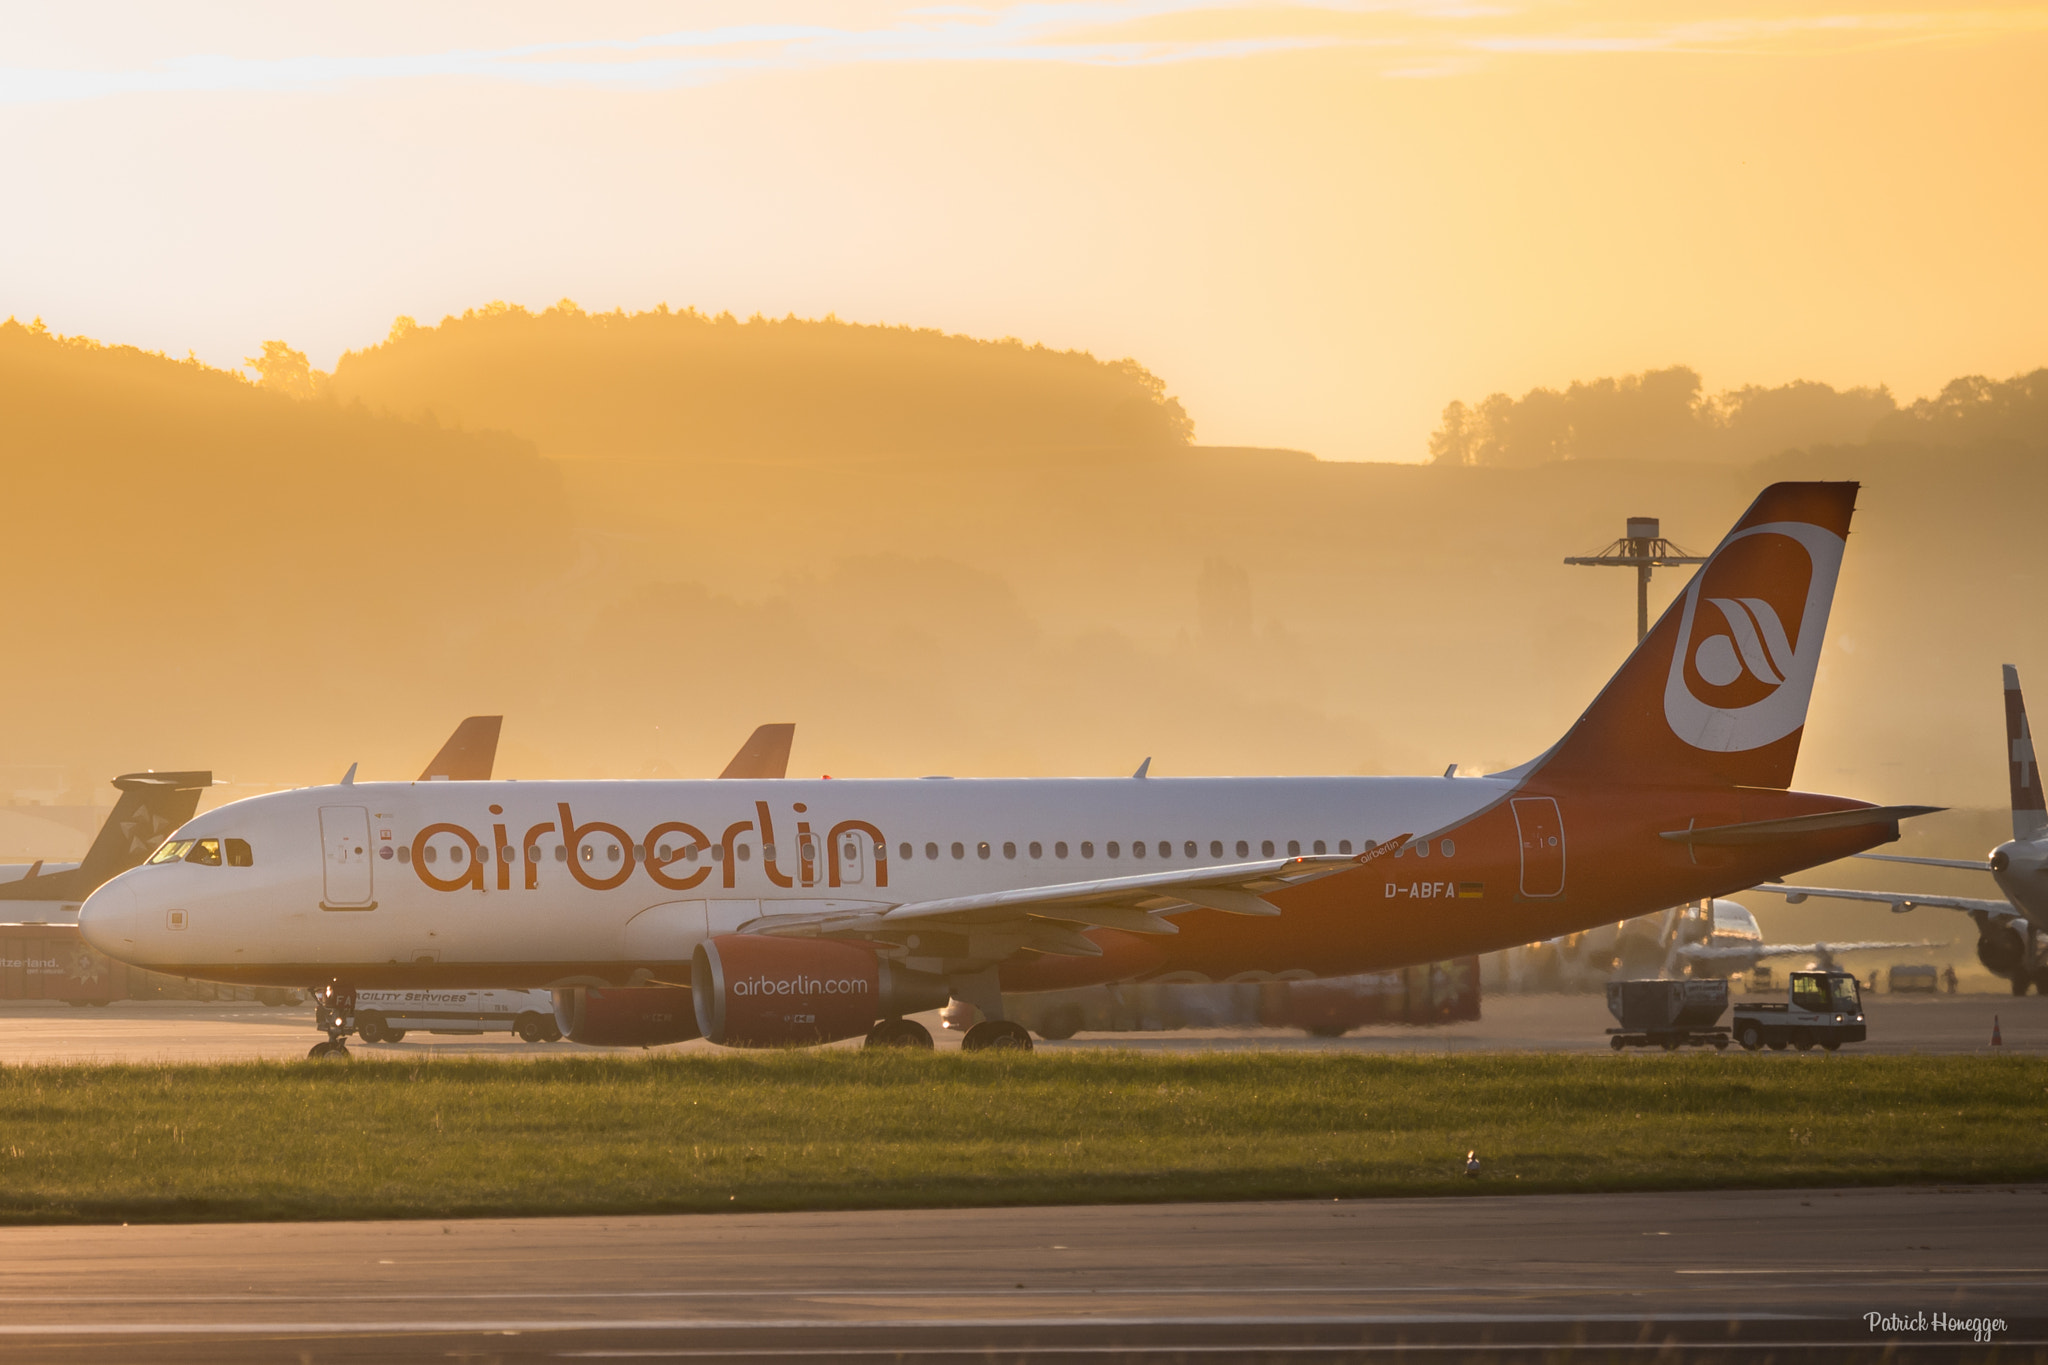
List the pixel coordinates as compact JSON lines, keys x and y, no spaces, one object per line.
{"x":771,"y":912}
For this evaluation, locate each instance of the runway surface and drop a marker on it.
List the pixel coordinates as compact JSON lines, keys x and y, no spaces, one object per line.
{"x":149,"y":1032}
{"x":1710,"y":1276}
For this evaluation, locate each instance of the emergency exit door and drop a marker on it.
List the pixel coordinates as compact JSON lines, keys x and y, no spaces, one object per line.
{"x":345,"y":851}
{"x":1541,"y":829}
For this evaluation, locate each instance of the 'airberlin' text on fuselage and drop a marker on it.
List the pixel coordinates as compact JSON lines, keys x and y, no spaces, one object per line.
{"x":658,"y":853}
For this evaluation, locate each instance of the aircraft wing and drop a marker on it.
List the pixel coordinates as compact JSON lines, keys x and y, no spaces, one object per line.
{"x":1899,"y":901}
{"x":1796,"y":950}
{"x":1966,"y":864}
{"x":1049,"y":917}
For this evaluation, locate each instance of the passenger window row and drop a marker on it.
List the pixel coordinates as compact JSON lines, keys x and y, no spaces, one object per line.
{"x":1191,"y":849}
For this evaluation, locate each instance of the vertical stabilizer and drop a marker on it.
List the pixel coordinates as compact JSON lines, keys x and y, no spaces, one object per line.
{"x":150,"y":807}
{"x":765,"y":754}
{"x":2029,"y":810}
{"x":470,"y":753}
{"x":1717,"y":692}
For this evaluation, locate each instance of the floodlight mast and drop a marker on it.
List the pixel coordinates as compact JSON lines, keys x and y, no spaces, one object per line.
{"x":1642,"y":549}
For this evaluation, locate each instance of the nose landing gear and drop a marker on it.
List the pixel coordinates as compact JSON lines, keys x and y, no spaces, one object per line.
{"x":334,"y":1012}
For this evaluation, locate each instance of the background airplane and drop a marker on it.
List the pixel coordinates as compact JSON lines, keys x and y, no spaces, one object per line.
{"x":2012,"y":934}
{"x":150,"y":806}
{"x":1715,"y":938}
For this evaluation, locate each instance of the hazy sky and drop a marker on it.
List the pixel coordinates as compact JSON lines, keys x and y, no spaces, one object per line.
{"x":1318,"y":222}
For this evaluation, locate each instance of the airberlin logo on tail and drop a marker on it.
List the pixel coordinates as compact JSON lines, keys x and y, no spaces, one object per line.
{"x":1749,"y":637}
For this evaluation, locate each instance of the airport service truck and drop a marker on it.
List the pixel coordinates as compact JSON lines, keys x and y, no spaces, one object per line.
{"x":387,"y":1016}
{"x":1823,"y":1007}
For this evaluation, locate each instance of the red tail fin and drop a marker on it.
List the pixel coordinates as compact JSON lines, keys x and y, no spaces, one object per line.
{"x":1717,"y":693}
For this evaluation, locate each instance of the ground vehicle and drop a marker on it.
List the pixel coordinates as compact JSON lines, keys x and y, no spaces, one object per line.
{"x":387,"y":1016}
{"x":1915,"y":978}
{"x":1824,"y":1008}
{"x":1433,"y":993}
{"x":1668,"y":1013}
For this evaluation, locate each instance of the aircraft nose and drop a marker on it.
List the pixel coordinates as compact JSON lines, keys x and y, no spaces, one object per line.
{"x":110,"y":919}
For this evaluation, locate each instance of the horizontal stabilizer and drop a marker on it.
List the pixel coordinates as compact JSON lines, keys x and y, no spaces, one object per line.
{"x":1765,"y":831}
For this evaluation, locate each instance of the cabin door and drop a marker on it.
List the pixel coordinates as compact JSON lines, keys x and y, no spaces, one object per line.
{"x":345,"y":850}
{"x":1541,"y":829}
{"x":853,"y":858}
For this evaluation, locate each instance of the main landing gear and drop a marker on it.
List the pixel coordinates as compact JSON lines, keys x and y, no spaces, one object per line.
{"x":334,"y":1012}
{"x":900,"y":1033}
{"x":997,"y":1035}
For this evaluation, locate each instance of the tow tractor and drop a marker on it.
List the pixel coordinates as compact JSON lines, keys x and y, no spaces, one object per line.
{"x":1824,"y":1008}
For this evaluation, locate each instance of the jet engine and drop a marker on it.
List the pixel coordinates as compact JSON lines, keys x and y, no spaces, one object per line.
{"x":2001,"y":949}
{"x":753,"y":990}
{"x":625,"y":1016}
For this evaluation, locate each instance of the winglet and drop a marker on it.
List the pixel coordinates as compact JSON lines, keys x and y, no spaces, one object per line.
{"x":348,"y":779}
{"x":1144,"y":767}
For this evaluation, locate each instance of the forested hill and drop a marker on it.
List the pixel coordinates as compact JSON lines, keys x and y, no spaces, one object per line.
{"x":173,"y":527}
{"x":684,"y":384}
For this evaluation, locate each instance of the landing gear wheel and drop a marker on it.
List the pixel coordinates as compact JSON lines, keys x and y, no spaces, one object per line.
{"x":1778,"y":1045}
{"x":1750,"y":1038}
{"x":1669,"y":1046}
{"x":336,"y":1051}
{"x":1803,"y":1044}
{"x":997,"y":1035}
{"x":2020,"y":984}
{"x":1615,"y":1042}
{"x":1063,"y":1023}
{"x":1831,"y":1046}
{"x":901,"y":1033}
{"x":1720,"y":1045}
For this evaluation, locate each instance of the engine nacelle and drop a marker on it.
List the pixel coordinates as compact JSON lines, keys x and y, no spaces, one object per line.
{"x":754,"y":990}
{"x":2001,"y":949}
{"x":625,"y":1016}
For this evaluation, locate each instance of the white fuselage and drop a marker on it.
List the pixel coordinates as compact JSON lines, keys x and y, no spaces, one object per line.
{"x":480,"y":872}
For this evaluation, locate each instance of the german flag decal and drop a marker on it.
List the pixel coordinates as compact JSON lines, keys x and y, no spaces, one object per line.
{"x":1471,"y":891}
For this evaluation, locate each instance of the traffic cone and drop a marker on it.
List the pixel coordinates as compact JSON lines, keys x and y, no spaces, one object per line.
{"x":1996,"y":1040}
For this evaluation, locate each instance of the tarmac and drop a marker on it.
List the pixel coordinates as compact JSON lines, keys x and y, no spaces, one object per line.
{"x":1719,"y":1276}
{"x":182,"y":1032}
{"x":1736,"y":1275}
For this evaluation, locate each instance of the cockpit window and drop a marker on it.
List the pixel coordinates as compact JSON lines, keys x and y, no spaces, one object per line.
{"x":172,"y":851}
{"x":239,"y":854}
{"x":205,"y":852}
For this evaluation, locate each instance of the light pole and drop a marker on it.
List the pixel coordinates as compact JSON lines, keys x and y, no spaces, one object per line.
{"x":1642,"y":549}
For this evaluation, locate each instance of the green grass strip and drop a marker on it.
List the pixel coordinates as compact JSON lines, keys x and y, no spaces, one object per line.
{"x":842,"y":1130}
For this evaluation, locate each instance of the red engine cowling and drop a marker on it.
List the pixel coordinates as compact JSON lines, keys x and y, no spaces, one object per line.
{"x":626,"y":1016}
{"x":752,"y":990}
